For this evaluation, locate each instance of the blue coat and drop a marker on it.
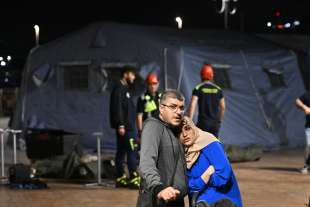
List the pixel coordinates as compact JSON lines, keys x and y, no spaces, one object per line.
{"x":222,"y":183}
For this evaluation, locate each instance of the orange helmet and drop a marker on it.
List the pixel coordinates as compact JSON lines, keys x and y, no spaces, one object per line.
{"x":151,"y":78}
{"x":206,"y":72}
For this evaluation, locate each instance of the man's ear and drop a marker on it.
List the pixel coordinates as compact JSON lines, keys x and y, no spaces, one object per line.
{"x":161,"y":108}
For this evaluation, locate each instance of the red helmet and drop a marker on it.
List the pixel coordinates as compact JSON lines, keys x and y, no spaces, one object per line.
{"x":151,"y":78}
{"x":206,"y":72}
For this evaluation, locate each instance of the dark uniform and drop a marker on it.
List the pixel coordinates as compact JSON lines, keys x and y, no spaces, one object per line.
{"x":122,"y":113}
{"x":148,"y":105}
{"x":305,"y":98}
{"x":209,"y":96}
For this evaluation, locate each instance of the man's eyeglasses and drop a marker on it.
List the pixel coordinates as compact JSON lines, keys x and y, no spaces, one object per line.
{"x":174,"y":108}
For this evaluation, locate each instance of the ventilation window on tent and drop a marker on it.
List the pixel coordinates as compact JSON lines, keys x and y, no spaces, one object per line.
{"x":42,"y":74}
{"x":275,"y":76}
{"x":75,"y":77}
{"x":221,"y":76}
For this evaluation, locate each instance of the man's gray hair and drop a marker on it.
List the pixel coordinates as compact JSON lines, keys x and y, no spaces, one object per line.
{"x":171,"y":93}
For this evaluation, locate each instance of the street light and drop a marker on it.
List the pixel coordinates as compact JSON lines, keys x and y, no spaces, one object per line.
{"x":228,"y":7}
{"x":37,"y":30}
{"x":179,"y":21}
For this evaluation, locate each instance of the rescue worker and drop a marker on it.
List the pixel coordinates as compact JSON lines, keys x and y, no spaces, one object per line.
{"x":147,"y":105}
{"x":211,"y":102}
{"x":122,"y":119}
{"x":303,"y":103}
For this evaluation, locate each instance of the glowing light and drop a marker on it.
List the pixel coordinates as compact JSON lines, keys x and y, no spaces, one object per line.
{"x":2,"y":63}
{"x":296,"y":23}
{"x":179,"y":21}
{"x":287,"y":25}
{"x":280,"y":26}
{"x":277,"y":13}
{"x":9,"y":57}
{"x":1,"y":58}
{"x":269,"y":24}
{"x":37,"y":31}
{"x":36,"y":28}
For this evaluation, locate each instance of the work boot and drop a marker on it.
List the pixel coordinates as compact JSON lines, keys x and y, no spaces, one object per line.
{"x":121,"y":182}
{"x":134,"y":181}
{"x":304,"y":170}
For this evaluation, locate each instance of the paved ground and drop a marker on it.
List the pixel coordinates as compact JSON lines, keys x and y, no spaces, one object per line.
{"x":273,"y":181}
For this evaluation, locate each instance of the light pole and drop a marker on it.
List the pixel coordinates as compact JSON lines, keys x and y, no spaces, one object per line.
{"x":227,"y":9}
{"x":37,"y":31}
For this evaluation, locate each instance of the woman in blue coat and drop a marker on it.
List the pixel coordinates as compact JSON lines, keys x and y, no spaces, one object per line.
{"x":210,"y":175}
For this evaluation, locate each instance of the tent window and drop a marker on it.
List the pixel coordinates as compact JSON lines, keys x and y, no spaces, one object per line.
{"x":221,"y":77}
{"x":275,"y":76}
{"x":75,"y":77}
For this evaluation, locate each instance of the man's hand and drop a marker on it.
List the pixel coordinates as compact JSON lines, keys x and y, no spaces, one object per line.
{"x":207,"y":174}
{"x":121,"y":130}
{"x":168,"y":194}
{"x":307,"y":111}
{"x":302,"y":106}
{"x":139,"y":137}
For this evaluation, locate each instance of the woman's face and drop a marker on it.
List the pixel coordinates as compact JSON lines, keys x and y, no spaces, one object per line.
{"x":188,"y":136}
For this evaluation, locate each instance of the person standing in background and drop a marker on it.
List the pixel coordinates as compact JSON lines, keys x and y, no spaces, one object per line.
{"x":211,"y":102}
{"x":148,"y":102}
{"x":122,"y":119}
{"x":303,"y":103}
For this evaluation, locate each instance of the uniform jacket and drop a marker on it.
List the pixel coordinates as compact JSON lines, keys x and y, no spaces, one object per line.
{"x":122,"y":107}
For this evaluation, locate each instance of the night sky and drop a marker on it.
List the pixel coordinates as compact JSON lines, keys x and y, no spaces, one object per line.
{"x":59,"y":18}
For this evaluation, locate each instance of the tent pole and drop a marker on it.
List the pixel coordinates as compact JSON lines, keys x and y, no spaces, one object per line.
{"x":165,"y":68}
{"x":261,"y":107}
{"x":181,"y":68}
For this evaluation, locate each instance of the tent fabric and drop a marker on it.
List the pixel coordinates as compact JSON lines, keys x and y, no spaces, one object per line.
{"x":300,"y":44}
{"x":257,"y":113}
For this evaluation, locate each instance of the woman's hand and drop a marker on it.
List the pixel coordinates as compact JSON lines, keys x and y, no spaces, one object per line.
{"x":207,"y":174}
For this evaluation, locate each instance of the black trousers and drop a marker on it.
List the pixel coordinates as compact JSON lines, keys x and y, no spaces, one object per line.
{"x":124,"y":147}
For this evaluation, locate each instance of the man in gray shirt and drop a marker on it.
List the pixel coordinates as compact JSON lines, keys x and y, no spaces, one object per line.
{"x":162,"y":163}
